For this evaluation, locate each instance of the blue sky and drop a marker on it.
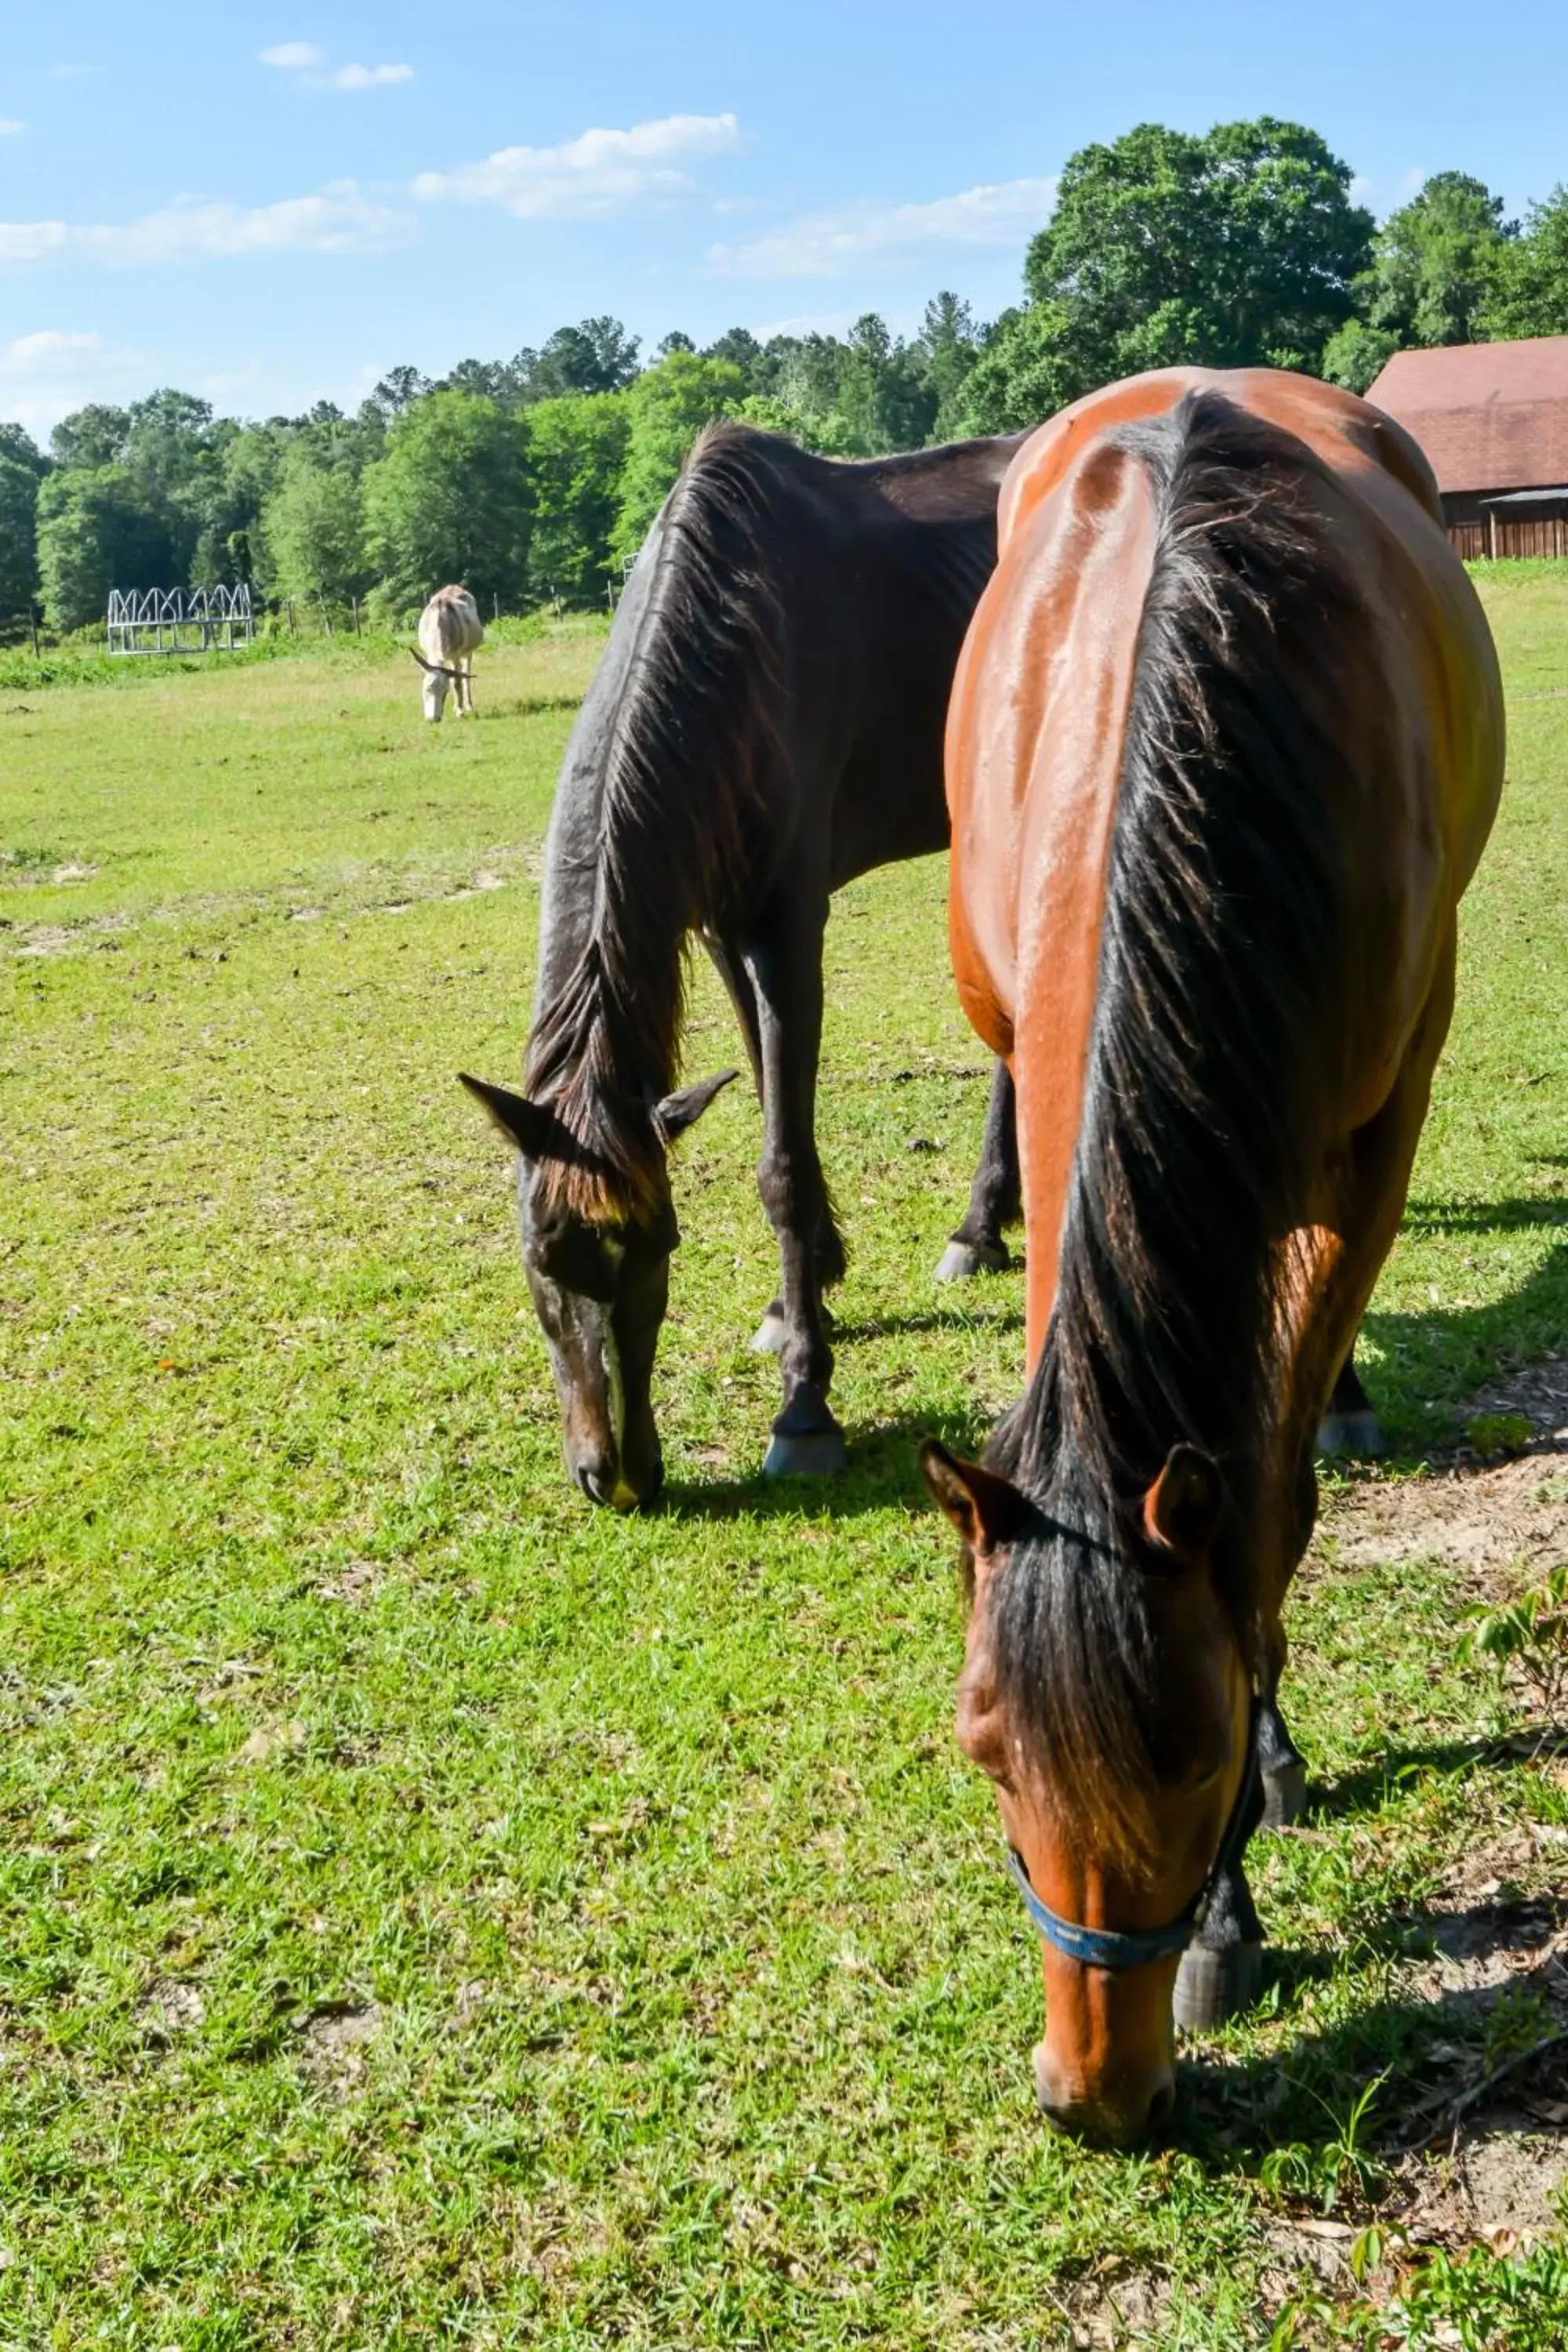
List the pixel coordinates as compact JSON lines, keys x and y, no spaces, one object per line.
{"x":274,"y":204}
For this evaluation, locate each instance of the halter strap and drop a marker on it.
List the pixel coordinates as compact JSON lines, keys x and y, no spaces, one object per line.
{"x":1115,"y":1948}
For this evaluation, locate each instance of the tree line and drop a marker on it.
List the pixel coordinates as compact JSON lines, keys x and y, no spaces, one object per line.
{"x":532,"y":479}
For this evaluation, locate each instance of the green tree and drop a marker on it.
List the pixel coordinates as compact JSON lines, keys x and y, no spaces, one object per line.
{"x":90,"y":437}
{"x":97,"y":530}
{"x":668,"y":405}
{"x":1530,"y":293}
{"x":1236,"y":249}
{"x":1435,"y":261}
{"x":18,"y":537}
{"x":449,"y":499}
{"x":19,"y":445}
{"x":1356,"y":355}
{"x":576,"y":451}
{"x":598,"y":355}
{"x":741,"y":349}
{"x":945,"y":350}
{"x":313,"y":529}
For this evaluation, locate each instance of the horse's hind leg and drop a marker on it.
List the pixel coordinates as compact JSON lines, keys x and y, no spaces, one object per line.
{"x":786,"y":972}
{"x":995,"y":1201}
{"x":1349,"y":1426}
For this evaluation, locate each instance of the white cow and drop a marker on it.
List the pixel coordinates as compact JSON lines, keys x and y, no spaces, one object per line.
{"x":450,"y":633}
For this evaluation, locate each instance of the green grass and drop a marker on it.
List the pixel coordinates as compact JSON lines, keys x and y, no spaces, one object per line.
{"x":433,"y":1913}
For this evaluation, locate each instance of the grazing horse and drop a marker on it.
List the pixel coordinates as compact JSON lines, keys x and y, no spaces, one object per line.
{"x":1225,"y":747}
{"x":766,"y":723}
{"x":450,"y":635}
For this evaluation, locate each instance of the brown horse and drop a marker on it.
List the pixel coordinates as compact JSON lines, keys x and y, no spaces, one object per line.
{"x":1225,"y":747}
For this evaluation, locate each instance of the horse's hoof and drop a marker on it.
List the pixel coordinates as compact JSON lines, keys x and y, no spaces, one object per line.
{"x":962,"y":1261}
{"x":1356,"y":1434}
{"x":768,"y":1340}
{"x":813,"y":1454}
{"x":1212,"y":1986}
{"x":1284,"y":1794}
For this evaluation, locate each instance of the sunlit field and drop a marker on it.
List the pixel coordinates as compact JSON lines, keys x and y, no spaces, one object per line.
{"x":433,"y":1912}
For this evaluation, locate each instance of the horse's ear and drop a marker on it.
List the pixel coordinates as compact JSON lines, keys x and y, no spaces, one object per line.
{"x":532,"y":1130}
{"x":1183,"y":1508}
{"x":985,"y":1509}
{"x":677,"y":1112}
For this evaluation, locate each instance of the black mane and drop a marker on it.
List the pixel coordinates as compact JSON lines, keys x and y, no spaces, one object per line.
{"x":1217,"y":986}
{"x":696,"y":716}
{"x":762,"y":615}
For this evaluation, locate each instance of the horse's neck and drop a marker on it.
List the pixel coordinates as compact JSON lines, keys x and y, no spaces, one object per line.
{"x":570,"y":906}
{"x":624,"y":998}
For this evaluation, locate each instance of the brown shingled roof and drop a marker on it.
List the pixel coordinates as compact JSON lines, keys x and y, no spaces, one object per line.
{"x":1490,"y":416}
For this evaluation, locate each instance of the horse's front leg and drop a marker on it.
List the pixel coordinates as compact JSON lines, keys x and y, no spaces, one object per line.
{"x":786,"y":972}
{"x":995,"y":1197}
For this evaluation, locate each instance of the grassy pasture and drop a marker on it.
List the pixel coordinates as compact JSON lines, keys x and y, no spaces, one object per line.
{"x":433,"y":1913}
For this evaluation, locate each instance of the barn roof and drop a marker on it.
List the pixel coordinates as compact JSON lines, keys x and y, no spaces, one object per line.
{"x":1490,"y":416}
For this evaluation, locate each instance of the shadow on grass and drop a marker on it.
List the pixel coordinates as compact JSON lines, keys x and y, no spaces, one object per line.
{"x":883,"y":1470}
{"x":1449,"y":2064}
{"x":1434,"y":1360}
{"x":931,"y":1318}
{"x":1373,"y":1783}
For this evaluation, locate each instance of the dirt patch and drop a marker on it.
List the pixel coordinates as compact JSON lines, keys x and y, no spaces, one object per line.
{"x":169,"y":2009}
{"x":1112,"y":2309}
{"x":1478,"y":1516}
{"x":334,"y":2040}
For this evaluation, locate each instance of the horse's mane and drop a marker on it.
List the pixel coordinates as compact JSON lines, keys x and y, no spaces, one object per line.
{"x":695,"y":717}
{"x":1217,"y":984}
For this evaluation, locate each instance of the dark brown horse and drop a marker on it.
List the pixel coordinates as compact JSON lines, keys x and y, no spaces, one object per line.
{"x":766,"y":723}
{"x":1225,"y":748}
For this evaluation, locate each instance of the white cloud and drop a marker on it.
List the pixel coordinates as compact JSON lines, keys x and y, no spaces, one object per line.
{"x":339,"y":219}
{"x":600,"y":172}
{"x":827,"y":244}
{"x":8,"y":124}
{"x":49,"y":348}
{"x":45,"y":374}
{"x":309,"y":62}
{"x":369,"y":77}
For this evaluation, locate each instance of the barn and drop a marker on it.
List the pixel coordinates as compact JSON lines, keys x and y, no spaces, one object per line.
{"x":1493,"y":419}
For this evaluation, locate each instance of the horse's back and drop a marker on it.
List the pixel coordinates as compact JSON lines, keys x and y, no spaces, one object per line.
{"x":1030,"y":750}
{"x":450,"y":626}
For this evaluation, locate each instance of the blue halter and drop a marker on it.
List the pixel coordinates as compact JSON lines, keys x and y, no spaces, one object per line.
{"x":1116,"y":1949}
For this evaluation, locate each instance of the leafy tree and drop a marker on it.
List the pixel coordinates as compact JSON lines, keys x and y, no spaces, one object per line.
{"x":853,"y":397}
{"x":1435,"y":261}
{"x":93,"y":436}
{"x":598,"y":355}
{"x":97,"y":530}
{"x":449,"y":499}
{"x":1356,"y":355}
{"x":675,"y":340}
{"x":313,"y":528}
{"x":19,"y":445}
{"x":18,"y":537}
{"x":1236,"y":249}
{"x":945,"y":351}
{"x":576,"y":451}
{"x":1530,"y":293}
{"x":741,"y":349}
{"x":491,"y":379}
{"x":399,"y":388}
{"x":668,"y":405}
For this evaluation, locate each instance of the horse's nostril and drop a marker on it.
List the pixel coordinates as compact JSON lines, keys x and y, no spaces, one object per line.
{"x":598,"y":1480}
